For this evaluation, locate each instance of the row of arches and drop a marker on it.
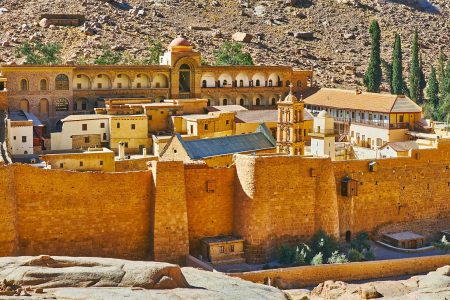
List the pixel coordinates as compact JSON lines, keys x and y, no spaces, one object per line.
{"x":210,"y":80}
{"x":243,"y":100}
{"x":61,"y":83}
{"x":121,"y":81}
{"x":59,"y":105}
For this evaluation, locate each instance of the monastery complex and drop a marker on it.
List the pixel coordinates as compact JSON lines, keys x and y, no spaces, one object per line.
{"x":223,"y":163}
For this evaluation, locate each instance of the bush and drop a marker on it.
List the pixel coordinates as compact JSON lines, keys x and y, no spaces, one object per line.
{"x":355,"y":255}
{"x":443,"y":244}
{"x":231,"y":53}
{"x":361,"y":242}
{"x":108,"y":57}
{"x":286,"y":255}
{"x":337,"y":258}
{"x":323,"y":243}
{"x":40,"y":54}
{"x":301,"y":255}
{"x":368,"y":254}
{"x":317,"y":259}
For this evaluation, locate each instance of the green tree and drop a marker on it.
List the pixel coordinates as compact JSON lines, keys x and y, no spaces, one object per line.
{"x":231,"y":53}
{"x":108,"y":57}
{"x":433,"y":90}
{"x":397,"y":67}
{"x":416,"y":77}
{"x":372,"y":78}
{"x":445,"y":87}
{"x":156,"y":50}
{"x":441,"y":71}
{"x":40,"y":54}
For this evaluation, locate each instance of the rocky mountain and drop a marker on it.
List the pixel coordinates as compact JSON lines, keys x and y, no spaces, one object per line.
{"x":329,"y":36}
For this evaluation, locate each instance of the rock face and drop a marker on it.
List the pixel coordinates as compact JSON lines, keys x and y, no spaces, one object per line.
{"x":104,"y":278}
{"x":433,"y":286}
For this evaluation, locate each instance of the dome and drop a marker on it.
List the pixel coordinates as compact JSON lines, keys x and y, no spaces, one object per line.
{"x":290,"y":98}
{"x":179,"y":41}
{"x":323,"y":114}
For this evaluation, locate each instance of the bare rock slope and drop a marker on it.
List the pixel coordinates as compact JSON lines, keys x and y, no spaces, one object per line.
{"x":46,"y":277}
{"x":326,"y":35}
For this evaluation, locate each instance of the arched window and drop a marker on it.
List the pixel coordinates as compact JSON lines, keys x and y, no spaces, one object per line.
{"x":225,"y":101}
{"x":204,"y":83}
{"x":258,"y":83}
{"x":270,"y":82}
{"x":24,"y":85}
{"x":299,"y":83}
{"x":241,"y":102}
{"x":288,"y":83}
{"x":43,"y":85}
{"x":62,"y":104}
{"x":225,"y":82}
{"x":184,"y":81}
{"x":258,"y":101}
{"x":274,"y":101}
{"x":241,"y":83}
{"x":43,"y":107}
{"x":62,"y":82}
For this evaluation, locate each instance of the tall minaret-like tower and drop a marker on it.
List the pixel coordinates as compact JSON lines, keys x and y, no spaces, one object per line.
{"x":290,"y":128}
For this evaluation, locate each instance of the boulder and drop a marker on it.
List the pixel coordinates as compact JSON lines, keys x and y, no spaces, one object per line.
{"x":304,"y":35}
{"x":242,"y":37}
{"x":44,"y":23}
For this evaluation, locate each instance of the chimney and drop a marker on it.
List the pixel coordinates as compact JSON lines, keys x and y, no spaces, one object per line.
{"x":121,"y":150}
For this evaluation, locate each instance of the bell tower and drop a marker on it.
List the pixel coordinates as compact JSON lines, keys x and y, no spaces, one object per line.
{"x":290,"y":127}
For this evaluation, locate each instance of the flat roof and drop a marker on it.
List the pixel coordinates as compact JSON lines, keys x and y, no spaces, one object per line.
{"x":85,"y":117}
{"x":221,"y":239}
{"x":77,"y":151}
{"x":229,"y":108}
{"x":405,"y":235}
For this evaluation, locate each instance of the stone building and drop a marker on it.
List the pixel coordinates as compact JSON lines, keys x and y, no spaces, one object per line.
{"x":54,"y":92}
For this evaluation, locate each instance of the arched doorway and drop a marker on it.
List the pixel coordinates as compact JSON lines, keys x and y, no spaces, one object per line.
{"x":348,"y":236}
{"x":184,"y":82}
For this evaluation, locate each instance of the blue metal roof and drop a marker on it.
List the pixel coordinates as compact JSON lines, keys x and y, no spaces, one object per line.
{"x":198,"y":149}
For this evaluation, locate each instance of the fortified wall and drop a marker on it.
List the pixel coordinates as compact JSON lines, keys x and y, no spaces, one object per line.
{"x":163,"y":213}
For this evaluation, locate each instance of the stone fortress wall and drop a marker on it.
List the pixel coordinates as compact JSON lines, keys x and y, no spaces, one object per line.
{"x":162,"y":214}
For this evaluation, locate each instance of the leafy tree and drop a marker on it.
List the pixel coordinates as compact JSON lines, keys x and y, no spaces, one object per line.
{"x":441,"y":71}
{"x":387,"y":72}
{"x":231,"y":53}
{"x":324,"y":243}
{"x":445,"y":87}
{"x":108,"y":57}
{"x":433,"y":90}
{"x":156,"y":51}
{"x":40,"y":54}
{"x":416,"y":77}
{"x":372,"y":78}
{"x":397,"y":67}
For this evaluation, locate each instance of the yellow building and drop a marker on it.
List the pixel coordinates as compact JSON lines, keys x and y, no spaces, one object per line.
{"x":54,"y":92}
{"x":367,"y":119}
{"x":213,"y":124}
{"x":130,"y":129}
{"x":92,"y":159}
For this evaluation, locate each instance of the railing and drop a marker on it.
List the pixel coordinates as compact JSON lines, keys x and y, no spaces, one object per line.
{"x":375,"y":123}
{"x":403,"y":125}
{"x":344,"y":120}
{"x":326,"y":132}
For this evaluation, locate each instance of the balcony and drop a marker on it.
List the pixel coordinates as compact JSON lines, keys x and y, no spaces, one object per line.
{"x":373,"y":123}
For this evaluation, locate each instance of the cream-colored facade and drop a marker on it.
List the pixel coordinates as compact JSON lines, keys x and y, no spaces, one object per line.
{"x":323,"y":136}
{"x":19,"y":137}
{"x":55,"y":92}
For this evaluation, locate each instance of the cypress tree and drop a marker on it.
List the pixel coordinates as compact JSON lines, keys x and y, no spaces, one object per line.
{"x":372,"y":78}
{"x":397,"y":67}
{"x":415,"y":72}
{"x":441,"y":71}
{"x":433,"y":90}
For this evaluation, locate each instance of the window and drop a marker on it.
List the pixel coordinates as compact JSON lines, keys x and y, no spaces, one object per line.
{"x":231,"y":248}
{"x":158,"y":85}
{"x":227,"y":122}
{"x":204,"y":83}
{"x":225,"y":101}
{"x":118,"y":125}
{"x":84,"y":127}
{"x":258,"y":83}
{"x":126,"y":144}
{"x":24,"y":139}
{"x":101,"y":163}
{"x":81,"y":163}
{"x":274,"y":101}
{"x":83,"y":105}
{"x":86,"y":140}
{"x":99,"y":85}
{"x":14,"y":137}
{"x":62,"y":82}
{"x":299,"y":83}
{"x":192,"y":129}
{"x":43,"y":85}
{"x":241,"y":102}
{"x":102,"y":125}
{"x":119,"y":85}
{"x":133,"y":126}
{"x":79,"y":86}
{"x":288,"y":83}
{"x":62,"y":104}
{"x":270,"y":82}
{"x":150,"y":117}
{"x":241,"y":83}
{"x":24,"y":85}
{"x":225,"y":82}
{"x":61,"y":165}
{"x":104,"y":136}
{"x":258,"y":101}
{"x":250,"y":83}
{"x":221,"y":249}
{"x":400,"y":118}
{"x":206,"y":126}
{"x":138,"y":85}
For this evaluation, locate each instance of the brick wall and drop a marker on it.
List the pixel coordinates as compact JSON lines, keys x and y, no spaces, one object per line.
{"x":8,"y":225}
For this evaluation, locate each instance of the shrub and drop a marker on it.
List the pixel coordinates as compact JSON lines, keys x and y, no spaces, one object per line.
{"x":108,"y":57}
{"x":286,"y":255}
{"x":355,"y":255}
{"x":368,"y":254}
{"x":301,"y":255}
{"x":337,"y":258}
{"x":323,"y":243}
{"x":443,"y":244}
{"x":40,"y":54}
{"x":361,"y":242}
{"x":231,"y":53}
{"x":317,"y":259}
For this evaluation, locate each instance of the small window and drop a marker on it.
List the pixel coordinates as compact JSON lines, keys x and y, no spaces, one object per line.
{"x":84,"y":127}
{"x":62,"y":82}
{"x":86,"y":140}
{"x":101,"y":163}
{"x":118,"y":125}
{"x":81,"y":163}
{"x":24,"y":85}
{"x":126,"y":144}
{"x":99,"y":85}
{"x":206,"y":126}
{"x":24,"y":139}
{"x":43,"y":85}
{"x":138,"y":85}
{"x":150,"y":117}
{"x":14,"y":137}
{"x":119,"y":76}
{"x":104,"y":136}
{"x":158,"y":85}
{"x":221,"y":249}
{"x":119,"y":85}
{"x":61,"y":165}
{"x":231,"y":248}
{"x":79,"y":86}
{"x":227,"y":122}
{"x":79,"y":76}
{"x":102,"y":125}
{"x":133,"y":126}
{"x":258,"y":83}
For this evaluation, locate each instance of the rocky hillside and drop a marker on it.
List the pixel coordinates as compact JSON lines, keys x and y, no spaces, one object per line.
{"x":339,"y":29}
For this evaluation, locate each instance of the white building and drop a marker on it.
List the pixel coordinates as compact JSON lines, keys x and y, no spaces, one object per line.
{"x":323,"y":136}
{"x":20,"y":133}
{"x":81,"y":127}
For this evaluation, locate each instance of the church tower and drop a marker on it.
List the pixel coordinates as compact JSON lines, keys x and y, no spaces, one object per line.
{"x":290,"y":127}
